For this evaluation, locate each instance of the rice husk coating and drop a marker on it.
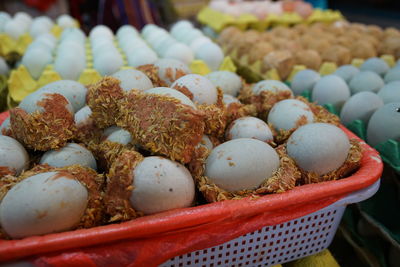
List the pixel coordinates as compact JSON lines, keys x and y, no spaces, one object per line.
{"x":107,"y":152}
{"x":309,"y":58}
{"x":151,"y":71}
{"x":119,"y":187}
{"x":87,"y":132}
{"x":351,"y":164}
{"x":5,"y":171}
{"x":320,"y":113}
{"x":184,"y":90}
{"x":281,"y":60}
{"x":7,"y":132}
{"x":282,"y":135}
{"x":50,"y":129}
{"x":237,"y":110}
{"x":103,"y":99}
{"x":337,"y":54}
{"x":162,"y":124}
{"x":215,"y":120}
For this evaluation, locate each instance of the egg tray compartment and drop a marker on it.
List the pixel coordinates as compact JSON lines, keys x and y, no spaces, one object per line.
{"x":153,"y":239}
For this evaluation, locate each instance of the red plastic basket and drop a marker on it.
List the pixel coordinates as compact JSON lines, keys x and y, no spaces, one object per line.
{"x":151,"y":240}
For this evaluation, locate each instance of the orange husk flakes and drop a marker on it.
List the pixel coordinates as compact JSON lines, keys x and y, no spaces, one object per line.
{"x":6,"y":171}
{"x":87,"y":132}
{"x":120,"y":186}
{"x":50,"y":129}
{"x":352,"y":163}
{"x":237,"y":110}
{"x":106,"y":152}
{"x":162,"y":124}
{"x":151,"y":71}
{"x":215,"y":117}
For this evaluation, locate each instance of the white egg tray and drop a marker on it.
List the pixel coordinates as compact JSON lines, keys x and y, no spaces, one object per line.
{"x":277,"y":244}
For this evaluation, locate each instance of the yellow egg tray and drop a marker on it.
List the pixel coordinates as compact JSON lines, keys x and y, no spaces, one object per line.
{"x":218,"y":21}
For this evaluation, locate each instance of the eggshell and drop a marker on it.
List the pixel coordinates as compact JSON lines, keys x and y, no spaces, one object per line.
{"x":202,"y":89}
{"x":179,"y":26}
{"x":376,"y":65}
{"x":270,"y":85}
{"x":390,"y":92}
{"x":318,"y":147}
{"x":35,"y":61}
{"x":160,"y":184}
{"x":331,"y":89}
{"x":229,"y":99}
{"x":191,"y":35}
{"x":360,"y":106}
{"x":148,"y":29}
{"x":133,"y":79}
{"x":47,"y":39}
{"x":180,"y":52}
{"x":23,"y":16}
{"x":126,"y":30}
{"x":74,"y":34}
{"x":4,"y":69}
{"x":14,"y":29}
{"x":196,"y":43}
{"x":304,"y":80}
{"x":366,"y":81}
{"x":6,"y":125}
{"x":41,"y":204}
{"x":287,"y":114}
{"x":70,"y":154}
{"x":249,"y":127}
{"x":346,"y":72}
{"x":206,"y":142}
{"x":384,"y":124}
{"x":70,"y":47}
{"x":13,"y":155}
{"x":82,"y":115}
{"x":141,"y":57}
{"x":38,"y":28}
{"x":30,"y":102}
{"x":65,"y":21}
{"x":211,"y":54}
{"x":117,"y":135}
{"x":172,"y":93}
{"x":163,"y":46}
{"x":108,"y":63}
{"x":240,"y":164}
{"x":69,"y":66}
{"x":392,"y":75}
{"x":101,"y":31}
{"x":229,"y":82}
{"x":45,"y":20}
{"x":170,"y":69}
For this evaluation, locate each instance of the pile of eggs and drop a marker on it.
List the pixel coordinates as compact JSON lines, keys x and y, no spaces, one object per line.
{"x":370,"y":93}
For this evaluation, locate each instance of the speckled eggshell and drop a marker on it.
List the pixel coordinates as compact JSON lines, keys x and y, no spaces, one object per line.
{"x":211,"y":54}
{"x":304,"y":80}
{"x":360,"y":106}
{"x":390,"y":92}
{"x":160,"y":185}
{"x":41,"y":204}
{"x":286,"y":114}
{"x":392,"y":75}
{"x":70,"y":154}
{"x":142,"y":56}
{"x":229,"y":99}
{"x":346,"y":72}
{"x":35,"y":61}
{"x":270,"y":85}
{"x":168,"y":69}
{"x":366,"y":81}
{"x":240,"y":164}
{"x":318,"y":147}
{"x":30,"y":102}
{"x":376,"y":65}
{"x":331,"y":89}
{"x":229,"y":82}
{"x":384,"y":124}
{"x":249,"y":127}
{"x":133,"y":79}
{"x":172,"y":93}
{"x":204,"y":92}
{"x":13,"y":155}
{"x":180,"y":52}
{"x":117,"y":135}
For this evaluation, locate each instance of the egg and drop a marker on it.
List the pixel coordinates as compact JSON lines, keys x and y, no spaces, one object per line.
{"x":131,"y":44}
{"x":376,"y":65}
{"x":65,"y":21}
{"x":229,"y":99}
{"x":392,"y":75}
{"x":69,"y":66}
{"x":206,"y":142}
{"x":390,"y":92}
{"x":211,"y":54}
{"x":117,"y":135}
{"x":346,"y":72}
{"x":108,"y":63}
{"x":163,"y":46}
{"x":5,"y":126}
{"x":148,"y":29}
{"x":160,"y":184}
{"x":179,"y":26}
{"x":180,"y":52}
{"x":82,"y":116}
{"x":318,"y":147}
{"x":360,"y":106}
{"x":45,"y":20}
{"x":191,"y":35}
{"x":366,"y":81}
{"x":126,"y":30}
{"x":31,"y":103}
{"x":70,"y":154}
{"x":249,"y":127}
{"x":133,"y":79}
{"x":70,"y":47}
{"x":101,"y":31}
{"x":13,"y":157}
{"x":48,"y":39}
{"x":35,"y":61}
{"x":41,"y":204}
{"x":241,"y":164}
{"x":199,"y":41}
{"x":331,"y":89}
{"x":73,"y":34}
{"x":180,"y":35}
{"x":169,"y":70}
{"x":23,"y":16}
{"x":270,"y":85}
{"x":171,"y":93}
{"x":141,"y":57}
{"x":304,"y":80}
{"x":229,"y":82}
{"x":37,"y":28}
{"x":4,"y":69}
{"x":384,"y":124}
{"x":14,"y":29}
{"x":202,"y":89}
{"x":289,"y":113}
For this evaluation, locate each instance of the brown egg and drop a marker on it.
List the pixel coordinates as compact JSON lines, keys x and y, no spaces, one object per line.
{"x":227,"y":34}
{"x":337,"y":54}
{"x":319,"y":45}
{"x":391,"y":46}
{"x":371,"y":40}
{"x":309,"y":58}
{"x":375,"y":30}
{"x":259,"y":50}
{"x":392,"y":32}
{"x":266,"y":36}
{"x":282,"y":60}
{"x":344,"y":41}
{"x":362,"y":49}
{"x":300,"y":28}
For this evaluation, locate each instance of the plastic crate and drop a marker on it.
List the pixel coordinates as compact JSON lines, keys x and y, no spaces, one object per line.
{"x":280,"y":243}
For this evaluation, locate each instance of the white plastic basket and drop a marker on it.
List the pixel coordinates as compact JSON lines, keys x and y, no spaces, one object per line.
{"x":280,"y":243}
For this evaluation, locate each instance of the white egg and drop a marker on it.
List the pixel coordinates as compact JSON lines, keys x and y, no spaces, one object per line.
{"x":74,"y":34}
{"x":4,"y":69}
{"x":392,"y":75}
{"x":141,"y":57}
{"x":180,"y":35}
{"x":126,"y":30}
{"x":318,"y":147}
{"x":14,"y":29}
{"x":13,"y":155}
{"x":360,"y":106}
{"x":203,"y":91}
{"x":384,"y":124}
{"x":160,"y":185}
{"x":346,"y":72}
{"x":206,"y":142}
{"x":107,"y":64}
{"x":3,"y":22}
{"x":71,"y":47}
{"x":117,"y":135}
{"x":148,"y":29}
{"x":191,"y":35}
{"x":229,"y":99}
{"x":48,"y":39}
{"x":82,"y":116}
{"x":304,"y":80}
{"x":35,"y":61}
{"x":331,"y":89}
{"x":41,"y":204}
{"x":133,"y":79}
{"x":24,"y":18}
{"x":270,"y":85}
{"x":70,"y":154}
{"x":65,"y":21}
{"x":171,"y":93}
{"x":229,"y":82}
{"x":69,"y":66}
{"x":5,"y":126}
{"x":180,"y":52}
{"x":163,"y":46}
{"x":376,"y":65}
{"x":196,"y":43}
{"x":101,"y":31}
{"x":211,"y":54}
{"x":390,"y":92}
{"x":249,"y":127}
{"x":31,"y":102}
{"x":179,"y":26}
{"x":241,"y":164}
{"x":366,"y":81}
{"x":169,"y":70}
{"x":37,"y":28}
{"x":288,"y":113}
{"x":132,"y":45}
{"x":105,"y":48}
{"x":155,"y":36}
{"x":4,"y":15}
{"x":45,"y":20}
